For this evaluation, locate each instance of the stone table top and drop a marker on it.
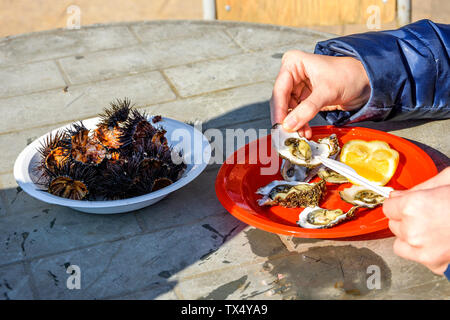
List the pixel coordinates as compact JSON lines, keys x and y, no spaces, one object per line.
{"x":185,"y":246}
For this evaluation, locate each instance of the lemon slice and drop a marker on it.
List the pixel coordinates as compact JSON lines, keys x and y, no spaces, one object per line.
{"x":374,"y":160}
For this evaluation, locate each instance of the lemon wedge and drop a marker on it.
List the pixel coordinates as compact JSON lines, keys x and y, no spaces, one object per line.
{"x":374,"y":160}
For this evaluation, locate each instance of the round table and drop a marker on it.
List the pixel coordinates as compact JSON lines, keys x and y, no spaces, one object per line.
{"x":219,"y":75}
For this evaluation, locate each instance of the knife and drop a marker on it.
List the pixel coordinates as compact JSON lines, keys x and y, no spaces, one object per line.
{"x":351,"y":174}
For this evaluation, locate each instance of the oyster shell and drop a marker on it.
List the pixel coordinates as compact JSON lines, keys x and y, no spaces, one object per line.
{"x":293,"y":172}
{"x":331,"y":176}
{"x":320,"y":218}
{"x":292,"y":194}
{"x":299,"y":150}
{"x":363,"y":197}
{"x":332,"y":143}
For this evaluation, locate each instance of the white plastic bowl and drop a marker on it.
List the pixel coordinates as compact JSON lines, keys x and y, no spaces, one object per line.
{"x":196,"y":150}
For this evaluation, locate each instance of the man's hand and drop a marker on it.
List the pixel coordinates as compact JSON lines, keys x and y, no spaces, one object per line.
{"x":308,"y":83}
{"x":420,"y":218}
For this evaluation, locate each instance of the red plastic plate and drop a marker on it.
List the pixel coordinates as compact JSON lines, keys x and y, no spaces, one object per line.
{"x":240,"y":177}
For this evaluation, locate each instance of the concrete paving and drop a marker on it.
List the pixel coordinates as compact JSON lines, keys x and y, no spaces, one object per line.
{"x":186,"y":246}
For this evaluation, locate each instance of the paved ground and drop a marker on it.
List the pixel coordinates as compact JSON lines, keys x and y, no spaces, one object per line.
{"x":186,"y":246}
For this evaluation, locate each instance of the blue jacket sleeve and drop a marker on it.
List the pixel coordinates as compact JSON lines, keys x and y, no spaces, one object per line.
{"x":447,"y":273}
{"x":408,"y":69}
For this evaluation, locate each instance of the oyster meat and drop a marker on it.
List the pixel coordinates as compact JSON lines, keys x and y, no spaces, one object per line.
{"x":331,"y":176}
{"x":320,"y":218}
{"x":292,"y":194}
{"x":333,"y":143}
{"x":363,"y":197}
{"x":293,"y":172}
{"x":300,"y":151}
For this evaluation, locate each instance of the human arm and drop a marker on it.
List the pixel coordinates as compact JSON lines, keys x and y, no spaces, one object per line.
{"x":407,"y":71}
{"x":419,"y":218}
{"x":308,"y":83}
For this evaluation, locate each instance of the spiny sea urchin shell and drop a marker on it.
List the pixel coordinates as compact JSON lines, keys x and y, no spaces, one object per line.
{"x":117,"y":180}
{"x":159,"y":139}
{"x":84,"y":149}
{"x":71,"y":181}
{"x":109,"y":131}
{"x":68,"y":188}
{"x":124,"y":156}
{"x":117,"y":114}
{"x":167,"y":155}
{"x":137,"y":129}
{"x":57,"y":158}
{"x":156,"y":119}
{"x":109,"y":137}
{"x":52,"y":142}
{"x":55,"y":152}
{"x":160,"y":183}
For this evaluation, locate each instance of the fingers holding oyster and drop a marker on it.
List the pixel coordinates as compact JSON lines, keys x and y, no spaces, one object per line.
{"x":302,"y":173}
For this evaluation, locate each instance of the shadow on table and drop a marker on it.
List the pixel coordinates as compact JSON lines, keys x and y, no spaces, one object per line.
{"x":257,"y":116}
{"x":184,"y":243}
{"x":440,"y":160}
{"x":390,"y":125}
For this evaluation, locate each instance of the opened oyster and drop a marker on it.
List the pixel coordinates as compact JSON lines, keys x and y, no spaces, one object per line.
{"x":299,"y":150}
{"x":363,"y":197}
{"x":293,"y":172}
{"x":332,"y":143}
{"x":331,"y":176}
{"x":292,"y":194}
{"x":319,"y":218}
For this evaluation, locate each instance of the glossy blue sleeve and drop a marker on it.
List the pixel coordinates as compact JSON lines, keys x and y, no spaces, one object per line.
{"x":447,"y":273}
{"x":408,"y":69}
